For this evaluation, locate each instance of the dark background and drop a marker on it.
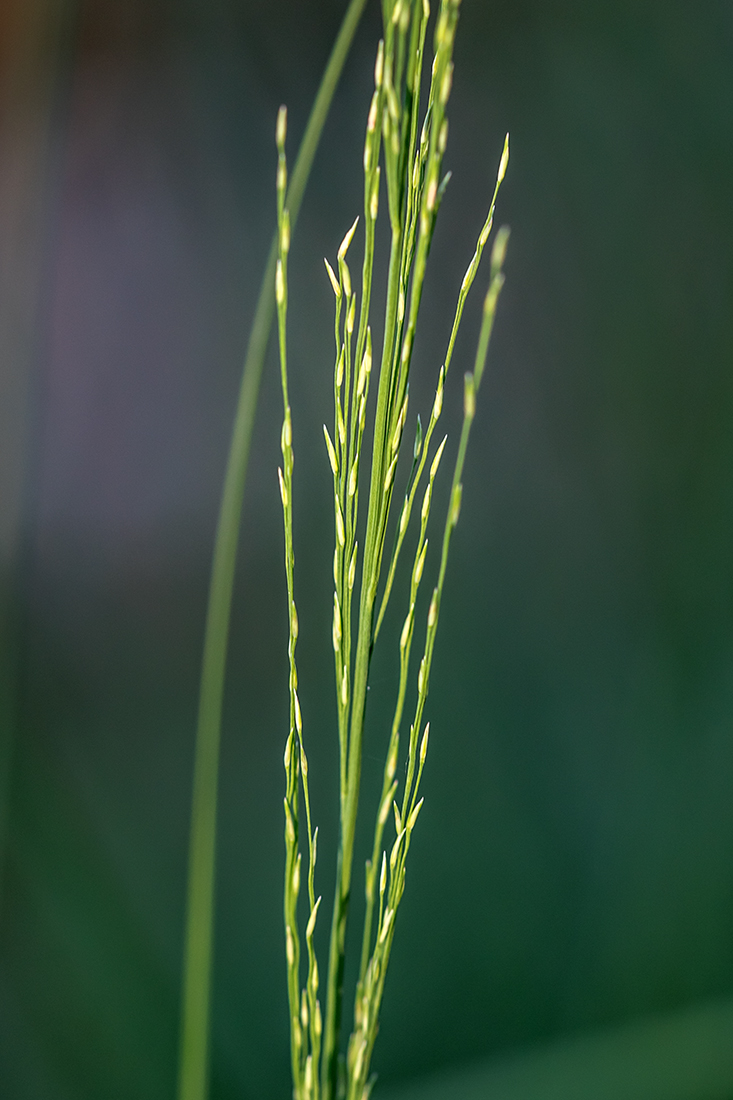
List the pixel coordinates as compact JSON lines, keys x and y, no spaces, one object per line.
{"x":573,"y":866}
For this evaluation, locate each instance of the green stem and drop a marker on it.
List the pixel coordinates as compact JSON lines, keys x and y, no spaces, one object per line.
{"x":194,"y":1037}
{"x":370,"y":579}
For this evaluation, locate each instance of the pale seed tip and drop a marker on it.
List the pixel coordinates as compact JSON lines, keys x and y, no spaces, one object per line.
{"x":426,"y":502}
{"x":379,"y":64}
{"x":469,"y":397}
{"x":279,"y":283}
{"x":504,"y":160}
{"x":438,"y":456}
{"x":438,"y":403}
{"x":413,"y":816}
{"x":344,"y":246}
{"x":285,"y":232}
{"x":331,"y":452}
{"x":424,"y":744}
{"x":332,"y":277}
{"x":281,"y":127}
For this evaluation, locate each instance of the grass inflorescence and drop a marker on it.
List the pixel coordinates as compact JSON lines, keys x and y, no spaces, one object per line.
{"x":403,"y":149}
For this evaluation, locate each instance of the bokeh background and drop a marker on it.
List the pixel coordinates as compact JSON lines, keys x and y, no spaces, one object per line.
{"x":573,"y":867}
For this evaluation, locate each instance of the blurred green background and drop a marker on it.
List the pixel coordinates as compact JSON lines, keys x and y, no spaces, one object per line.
{"x":573,"y":869}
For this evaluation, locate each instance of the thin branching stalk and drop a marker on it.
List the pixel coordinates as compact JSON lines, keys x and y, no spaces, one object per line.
{"x":411,"y":157}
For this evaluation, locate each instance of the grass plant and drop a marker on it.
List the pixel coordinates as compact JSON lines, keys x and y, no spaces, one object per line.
{"x":411,"y":153}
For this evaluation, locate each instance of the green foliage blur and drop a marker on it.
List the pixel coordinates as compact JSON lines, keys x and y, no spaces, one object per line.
{"x":574,"y":863}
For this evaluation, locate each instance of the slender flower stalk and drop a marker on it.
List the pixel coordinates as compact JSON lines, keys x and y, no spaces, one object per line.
{"x":405,"y":155}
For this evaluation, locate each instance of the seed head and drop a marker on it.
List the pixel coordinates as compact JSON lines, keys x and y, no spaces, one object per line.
{"x":426,"y":502}
{"x":281,"y":127}
{"x":404,"y":515}
{"x":285,"y":232}
{"x":364,"y":369}
{"x":443,"y":137}
{"x":336,"y":630}
{"x":447,"y":83}
{"x":332,"y":277}
{"x":469,"y":396}
{"x":379,"y":66}
{"x":392,"y":760}
{"x":455,"y":509}
{"x":352,"y":568}
{"x":388,"y":917}
{"x":389,"y":476}
{"x":359,"y":1060}
{"x":286,"y":435}
{"x":421,"y":563}
{"x":374,"y":197}
{"x":353,"y":476}
{"x":424,"y":743}
{"x":279,"y":284}
{"x":504,"y":160}
{"x":371,"y":121}
{"x":384,"y":808}
{"x":395,"y":851}
{"x":404,"y":637}
{"x":340,"y":533}
{"x":344,"y":246}
{"x":311,"y":926}
{"x":438,"y":403}
{"x":283,"y":489}
{"x":436,"y":461}
{"x":331,"y":452}
{"x":433,"y":611}
{"x":413,"y":816}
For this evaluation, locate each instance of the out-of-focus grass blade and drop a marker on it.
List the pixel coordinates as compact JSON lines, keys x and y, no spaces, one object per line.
{"x":687,"y":1055}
